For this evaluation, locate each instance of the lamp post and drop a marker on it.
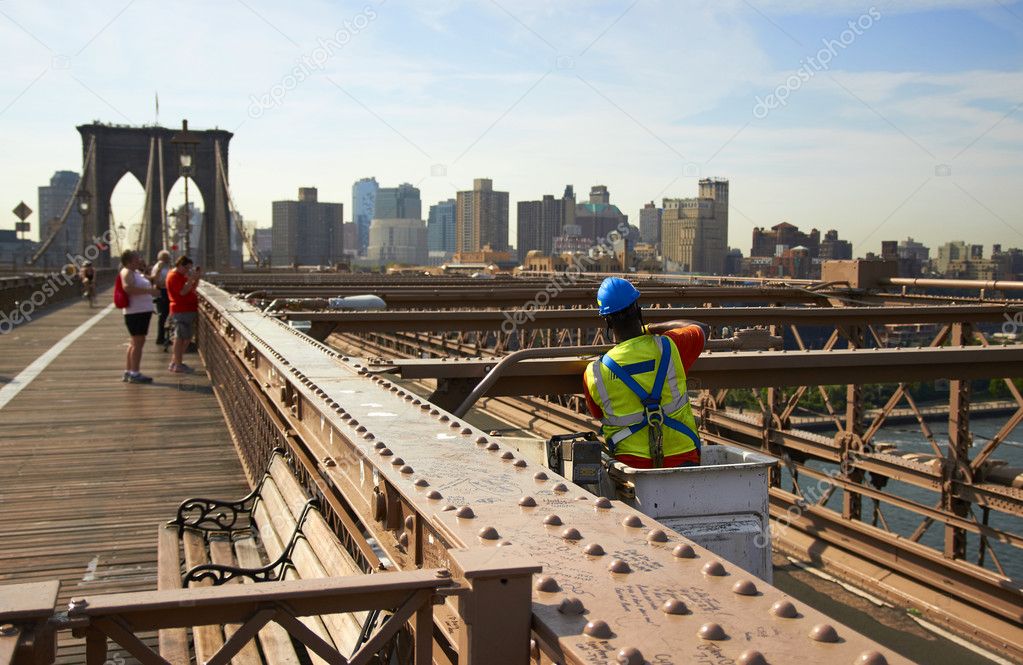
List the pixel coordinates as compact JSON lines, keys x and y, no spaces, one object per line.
{"x":84,"y":208}
{"x":186,"y":143}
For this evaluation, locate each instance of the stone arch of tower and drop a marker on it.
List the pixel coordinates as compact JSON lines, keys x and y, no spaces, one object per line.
{"x":149,"y":154}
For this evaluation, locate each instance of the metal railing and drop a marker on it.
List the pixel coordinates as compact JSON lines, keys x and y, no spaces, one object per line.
{"x":24,"y":295}
{"x":29,"y":625}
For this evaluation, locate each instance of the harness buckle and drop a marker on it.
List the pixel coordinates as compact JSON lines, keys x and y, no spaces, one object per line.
{"x":654,"y":414}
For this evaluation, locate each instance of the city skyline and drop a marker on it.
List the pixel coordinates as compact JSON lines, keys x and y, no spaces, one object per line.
{"x":914,"y":124}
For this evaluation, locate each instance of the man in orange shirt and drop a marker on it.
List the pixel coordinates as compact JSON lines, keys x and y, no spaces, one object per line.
{"x":184,"y":307}
{"x":638,"y":388}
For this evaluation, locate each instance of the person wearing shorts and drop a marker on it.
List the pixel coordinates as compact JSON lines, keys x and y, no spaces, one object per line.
{"x":159,"y":277}
{"x":184,"y":307}
{"x":137,"y":314}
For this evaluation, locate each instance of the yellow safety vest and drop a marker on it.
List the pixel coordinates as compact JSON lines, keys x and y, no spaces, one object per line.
{"x":622,"y":381}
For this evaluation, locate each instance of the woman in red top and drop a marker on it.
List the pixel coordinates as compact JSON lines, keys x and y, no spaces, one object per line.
{"x":184,"y":307}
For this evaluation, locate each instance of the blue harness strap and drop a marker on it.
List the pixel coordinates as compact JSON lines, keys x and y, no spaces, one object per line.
{"x":652,"y":399}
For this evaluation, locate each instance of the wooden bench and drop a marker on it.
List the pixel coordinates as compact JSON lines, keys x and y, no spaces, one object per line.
{"x":274,"y":533}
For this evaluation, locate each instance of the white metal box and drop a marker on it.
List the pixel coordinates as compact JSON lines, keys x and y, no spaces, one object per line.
{"x":721,"y":504}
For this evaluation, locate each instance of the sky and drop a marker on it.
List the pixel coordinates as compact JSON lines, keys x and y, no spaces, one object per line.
{"x":882,"y":120}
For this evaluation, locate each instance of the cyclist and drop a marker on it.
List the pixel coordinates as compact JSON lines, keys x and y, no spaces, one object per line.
{"x":87,"y":275}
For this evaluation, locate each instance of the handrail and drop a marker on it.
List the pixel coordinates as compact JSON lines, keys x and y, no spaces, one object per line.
{"x":518,"y":356}
{"x":409,"y":596}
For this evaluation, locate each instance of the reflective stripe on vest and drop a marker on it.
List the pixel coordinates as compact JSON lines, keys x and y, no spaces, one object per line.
{"x":632,"y":423}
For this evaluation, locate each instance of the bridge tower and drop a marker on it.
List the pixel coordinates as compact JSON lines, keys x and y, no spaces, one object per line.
{"x":152,"y":156}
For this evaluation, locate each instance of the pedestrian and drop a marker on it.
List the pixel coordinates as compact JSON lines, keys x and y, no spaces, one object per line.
{"x":159,"y":277}
{"x":137,"y":313}
{"x":638,"y":388}
{"x":182,"y":282}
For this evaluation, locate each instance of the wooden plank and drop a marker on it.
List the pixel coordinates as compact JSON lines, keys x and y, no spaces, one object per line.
{"x":173,"y":641}
{"x":207,"y":639}
{"x":89,"y":464}
{"x":273,"y":543}
{"x":344,"y":628}
{"x":274,"y":640}
{"x":222,"y":553}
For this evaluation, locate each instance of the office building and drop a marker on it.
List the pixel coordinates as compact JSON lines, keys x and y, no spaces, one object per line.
{"x":766,"y":243}
{"x":401,"y":202}
{"x":53,"y":199}
{"x":832,"y":248}
{"x":307,"y":231}
{"x":364,"y":197}
{"x":262,"y":238}
{"x":598,"y":220}
{"x":650,"y":224}
{"x":350,"y":239}
{"x":540,"y":222}
{"x":440,"y":227}
{"x":694,"y":231}
{"x":399,"y":240}
{"x":481,"y":218}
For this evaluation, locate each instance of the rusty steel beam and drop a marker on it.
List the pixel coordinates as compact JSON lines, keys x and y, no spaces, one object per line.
{"x":495,"y":320}
{"x":516,"y":296}
{"x":608,"y":571}
{"x":744,"y":369}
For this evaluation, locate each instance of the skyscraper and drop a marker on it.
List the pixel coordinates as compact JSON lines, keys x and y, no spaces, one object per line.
{"x":53,"y":198}
{"x":539,"y":222}
{"x":364,"y":197}
{"x":306,"y":231}
{"x":481,"y":218}
{"x":440,"y":227}
{"x":397,"y":240}
{"x":694,"y":231}
{"x":650,"y":224}
{"x":401,"y":202}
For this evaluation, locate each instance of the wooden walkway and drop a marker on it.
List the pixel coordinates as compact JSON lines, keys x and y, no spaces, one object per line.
{"x":89,"y":466}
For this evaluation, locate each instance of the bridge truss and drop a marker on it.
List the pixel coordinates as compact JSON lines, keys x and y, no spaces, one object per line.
{"x":835,"y":489}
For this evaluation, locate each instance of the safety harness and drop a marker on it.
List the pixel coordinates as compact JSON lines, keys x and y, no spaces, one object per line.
{"x":653,"y":415}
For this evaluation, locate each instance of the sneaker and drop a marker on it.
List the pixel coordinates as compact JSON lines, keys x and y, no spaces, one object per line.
{"x":180,"y":369}
{"x":139,"y":378}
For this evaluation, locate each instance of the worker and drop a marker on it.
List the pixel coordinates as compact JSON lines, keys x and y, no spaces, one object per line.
{"x":638,"y":388}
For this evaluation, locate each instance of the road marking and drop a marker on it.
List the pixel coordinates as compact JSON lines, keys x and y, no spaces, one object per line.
{"x":28,"y":375}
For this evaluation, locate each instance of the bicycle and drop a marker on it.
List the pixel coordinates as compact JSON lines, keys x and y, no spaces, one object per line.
{"x":89,"y":292}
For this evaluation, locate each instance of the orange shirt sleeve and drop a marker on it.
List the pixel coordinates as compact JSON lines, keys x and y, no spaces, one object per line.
{"x":689,"y":342}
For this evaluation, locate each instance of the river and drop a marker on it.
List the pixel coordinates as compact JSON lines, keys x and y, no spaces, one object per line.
{"x":909,"y":439}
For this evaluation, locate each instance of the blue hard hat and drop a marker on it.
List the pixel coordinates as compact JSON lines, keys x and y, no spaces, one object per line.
{"x":615,"y":294}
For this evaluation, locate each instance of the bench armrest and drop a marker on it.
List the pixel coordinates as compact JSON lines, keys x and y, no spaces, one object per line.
{"x":218,"y":515}
{"x":214,"y":514}
{"x":219,"y":574}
